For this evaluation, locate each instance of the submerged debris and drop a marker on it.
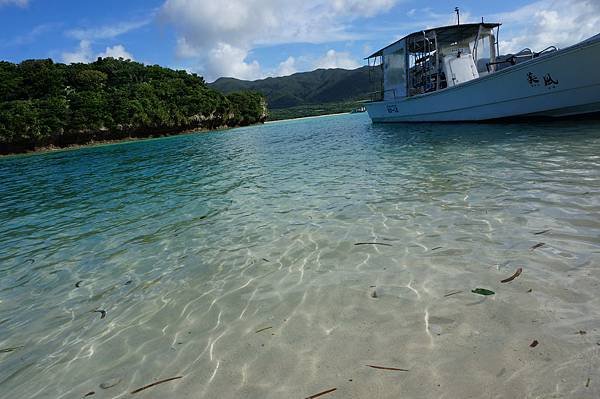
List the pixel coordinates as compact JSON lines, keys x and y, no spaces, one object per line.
{"x":587,"y":384}
{"x":155,"y":383}
{"x":16,"y":348}
{"x":534,"y":343}
{"x":385,"y":368}
{"x":452,"y":293}
{"x":374,"y":294}
{"x":102,"y":313}
{"x":514,"y":276}
{"x":542,"y":232}
{"x":482,"y":291}
{"x":582,"y":332}
{"x":538,"y":245}
{"x":110,"y":383}
{"x":263,"y":329}
{"x":373,"y":243}
{"x":321,"y":393}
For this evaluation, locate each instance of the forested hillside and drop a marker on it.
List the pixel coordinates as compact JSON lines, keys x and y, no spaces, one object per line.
{"x":307,"y":88}
{"x":43,"y":103}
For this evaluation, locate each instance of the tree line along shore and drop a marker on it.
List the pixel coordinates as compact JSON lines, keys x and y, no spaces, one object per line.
{"x":46,"y":104}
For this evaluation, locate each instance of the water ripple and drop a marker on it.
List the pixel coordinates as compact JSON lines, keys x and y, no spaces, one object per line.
{"x":229,"y":258}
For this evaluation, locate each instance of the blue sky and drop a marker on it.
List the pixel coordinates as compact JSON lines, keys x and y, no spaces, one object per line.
{"x":252,"y":39}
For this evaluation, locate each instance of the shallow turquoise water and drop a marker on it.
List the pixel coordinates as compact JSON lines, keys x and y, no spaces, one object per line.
{"x":193,"y":243}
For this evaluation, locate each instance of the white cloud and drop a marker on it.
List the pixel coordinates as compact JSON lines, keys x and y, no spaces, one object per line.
{"x":107,"y":32}
{"x":287,"y":67}
{"x":85,"y":54}
{"x":82,"y":54}
{"x":229,"y":61}
{"x":117,"y":52}
{"x":185,"y":50}
{"x":87,"y":36}
{"x":233,"y":28}
{"x":243,"y":22}
{"x":334,"y":59}
{"x":549,"y":23}
{"x":361,"y":7}
{"x":20,"y":3}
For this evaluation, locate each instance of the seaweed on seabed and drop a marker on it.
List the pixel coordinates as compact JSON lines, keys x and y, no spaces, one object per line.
{"x":482,"y":291}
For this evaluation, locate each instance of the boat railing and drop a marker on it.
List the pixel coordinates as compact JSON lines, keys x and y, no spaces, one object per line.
{"x":524,"y":55}
{"x":550,"y":49}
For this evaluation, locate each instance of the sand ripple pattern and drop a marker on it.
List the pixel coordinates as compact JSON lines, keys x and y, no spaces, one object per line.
{"x":228,"y":258}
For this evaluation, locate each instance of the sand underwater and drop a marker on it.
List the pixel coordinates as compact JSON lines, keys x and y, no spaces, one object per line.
{"x":230,"y":259}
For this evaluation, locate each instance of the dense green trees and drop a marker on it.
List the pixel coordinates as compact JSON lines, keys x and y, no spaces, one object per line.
{"x":43,"y":103}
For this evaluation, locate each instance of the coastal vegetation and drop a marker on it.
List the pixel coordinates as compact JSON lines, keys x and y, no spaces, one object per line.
{"x":43,"y":103}
{"x":302,"y":111}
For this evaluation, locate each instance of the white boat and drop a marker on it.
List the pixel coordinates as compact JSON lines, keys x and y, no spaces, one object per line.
{"x":454,"y":73}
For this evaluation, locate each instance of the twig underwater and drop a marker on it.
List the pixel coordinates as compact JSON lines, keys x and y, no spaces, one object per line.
{"x":321,"y":393}
{"x":538,"y":245}
{"x":263,"y":329}
{"x":155,"y":383}
{"x":385,"y":368}
{"x":453,"y":293}
{"x":542,"y":232}
{"x":514,"y":276}
{"x":15,"y":348}
{"x":374,"y":243}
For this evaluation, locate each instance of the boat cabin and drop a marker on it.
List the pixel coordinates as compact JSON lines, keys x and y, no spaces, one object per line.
{"x":435,"y":59}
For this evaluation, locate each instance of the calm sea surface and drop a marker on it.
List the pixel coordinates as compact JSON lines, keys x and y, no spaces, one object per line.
{"x":229,"y":259}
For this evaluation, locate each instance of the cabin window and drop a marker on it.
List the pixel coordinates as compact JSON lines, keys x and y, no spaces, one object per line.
{"x":394,"y":70}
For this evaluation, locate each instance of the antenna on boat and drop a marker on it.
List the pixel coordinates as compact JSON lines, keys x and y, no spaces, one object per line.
{"x":457,"y":10}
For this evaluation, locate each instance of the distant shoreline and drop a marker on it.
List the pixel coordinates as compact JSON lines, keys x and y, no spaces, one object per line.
{"x":308,"y":117}
{"x":102,"y":143}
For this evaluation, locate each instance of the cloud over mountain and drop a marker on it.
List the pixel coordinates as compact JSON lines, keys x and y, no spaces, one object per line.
{"x":228,"y":31}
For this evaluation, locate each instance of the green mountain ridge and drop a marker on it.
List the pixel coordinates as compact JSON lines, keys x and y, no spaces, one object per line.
{"x":316,"y":87}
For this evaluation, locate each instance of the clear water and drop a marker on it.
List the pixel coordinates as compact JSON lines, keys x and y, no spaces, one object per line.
{"x":192,"y":244}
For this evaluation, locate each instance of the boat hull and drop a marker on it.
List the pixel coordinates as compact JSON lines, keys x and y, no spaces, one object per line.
{"x":561,"y":84}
